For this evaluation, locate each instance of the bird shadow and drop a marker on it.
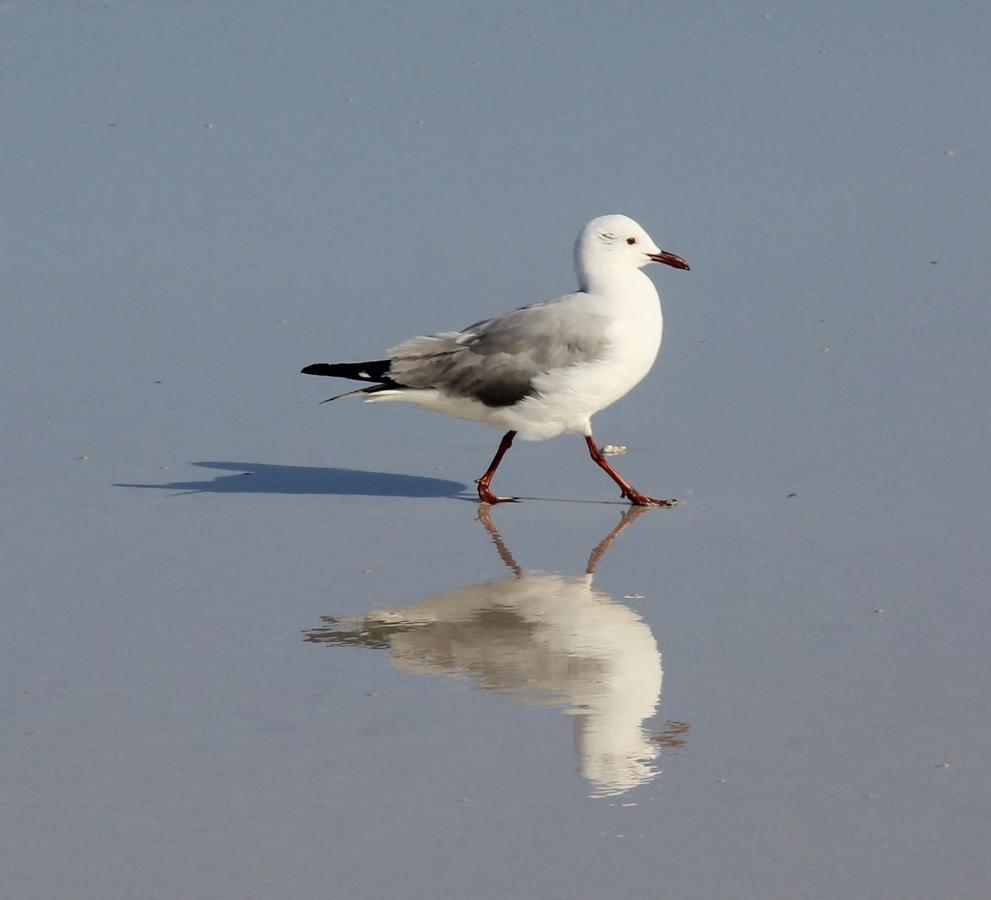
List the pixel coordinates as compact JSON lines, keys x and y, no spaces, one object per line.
{"x":263,"y":478}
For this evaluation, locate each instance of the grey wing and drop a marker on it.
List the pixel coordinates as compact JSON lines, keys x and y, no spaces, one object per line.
{"x":496,"y":360}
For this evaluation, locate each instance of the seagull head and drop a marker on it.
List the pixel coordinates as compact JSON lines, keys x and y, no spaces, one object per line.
{"x":618,"y":242}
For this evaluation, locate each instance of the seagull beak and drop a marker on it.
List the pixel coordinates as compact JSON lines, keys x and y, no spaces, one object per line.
{"x":669,"y":259}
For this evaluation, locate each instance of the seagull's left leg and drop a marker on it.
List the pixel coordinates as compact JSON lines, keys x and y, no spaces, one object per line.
{"x":628,"y":490}
{"x":484,"y":494}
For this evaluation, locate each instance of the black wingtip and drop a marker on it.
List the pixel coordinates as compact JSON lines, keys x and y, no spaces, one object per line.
{"x":316,"y":369}
{"x":373,"y":370}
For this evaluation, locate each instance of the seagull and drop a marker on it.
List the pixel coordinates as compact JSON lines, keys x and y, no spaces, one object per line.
{"x":545,"y":368}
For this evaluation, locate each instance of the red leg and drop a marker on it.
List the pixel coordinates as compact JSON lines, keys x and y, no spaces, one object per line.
{"x":484,"y":494}
{"x":628,"y":490}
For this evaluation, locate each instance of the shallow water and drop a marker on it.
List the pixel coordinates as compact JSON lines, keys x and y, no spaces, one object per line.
{"x":258,"y":647}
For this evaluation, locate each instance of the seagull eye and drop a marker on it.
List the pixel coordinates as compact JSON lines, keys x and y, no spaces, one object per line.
{"x":631,"y":240}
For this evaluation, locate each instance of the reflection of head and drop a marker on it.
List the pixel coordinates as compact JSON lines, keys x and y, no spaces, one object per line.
{"x":543,"y":639}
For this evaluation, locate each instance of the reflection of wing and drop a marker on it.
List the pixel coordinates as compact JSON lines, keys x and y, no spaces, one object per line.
{"x":544,"y":639}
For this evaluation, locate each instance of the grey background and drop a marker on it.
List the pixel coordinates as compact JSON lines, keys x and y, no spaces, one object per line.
{"x":197,"y":198}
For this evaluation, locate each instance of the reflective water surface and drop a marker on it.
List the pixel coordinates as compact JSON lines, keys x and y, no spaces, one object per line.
{"x":539,"y":639}
{"x":196,"y":198}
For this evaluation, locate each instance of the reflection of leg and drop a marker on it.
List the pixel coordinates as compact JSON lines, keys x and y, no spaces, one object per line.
{"x":485,"y":517}
{"x":484,"y":494}
{"x":628,"y":490}
{"x":628,"y":518}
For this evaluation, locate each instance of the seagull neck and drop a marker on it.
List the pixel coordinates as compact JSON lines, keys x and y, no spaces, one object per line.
{"x":607,"y":279}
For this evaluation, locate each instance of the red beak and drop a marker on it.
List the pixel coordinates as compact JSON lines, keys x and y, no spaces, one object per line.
{"x":669,"y":259}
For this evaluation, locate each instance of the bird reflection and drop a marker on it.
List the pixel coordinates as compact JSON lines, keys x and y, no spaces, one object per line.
{"x":541,"y":639}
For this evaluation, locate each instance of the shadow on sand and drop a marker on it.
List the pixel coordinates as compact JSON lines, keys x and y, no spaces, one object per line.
{"x":262,"y":478}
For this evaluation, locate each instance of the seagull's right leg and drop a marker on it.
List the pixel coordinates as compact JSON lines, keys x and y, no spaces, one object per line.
{"x":627,"y":489}
{"x":484,"y":494}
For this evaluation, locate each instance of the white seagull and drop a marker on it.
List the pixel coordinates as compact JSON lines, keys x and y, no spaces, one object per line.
{"x":544,"y":368}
